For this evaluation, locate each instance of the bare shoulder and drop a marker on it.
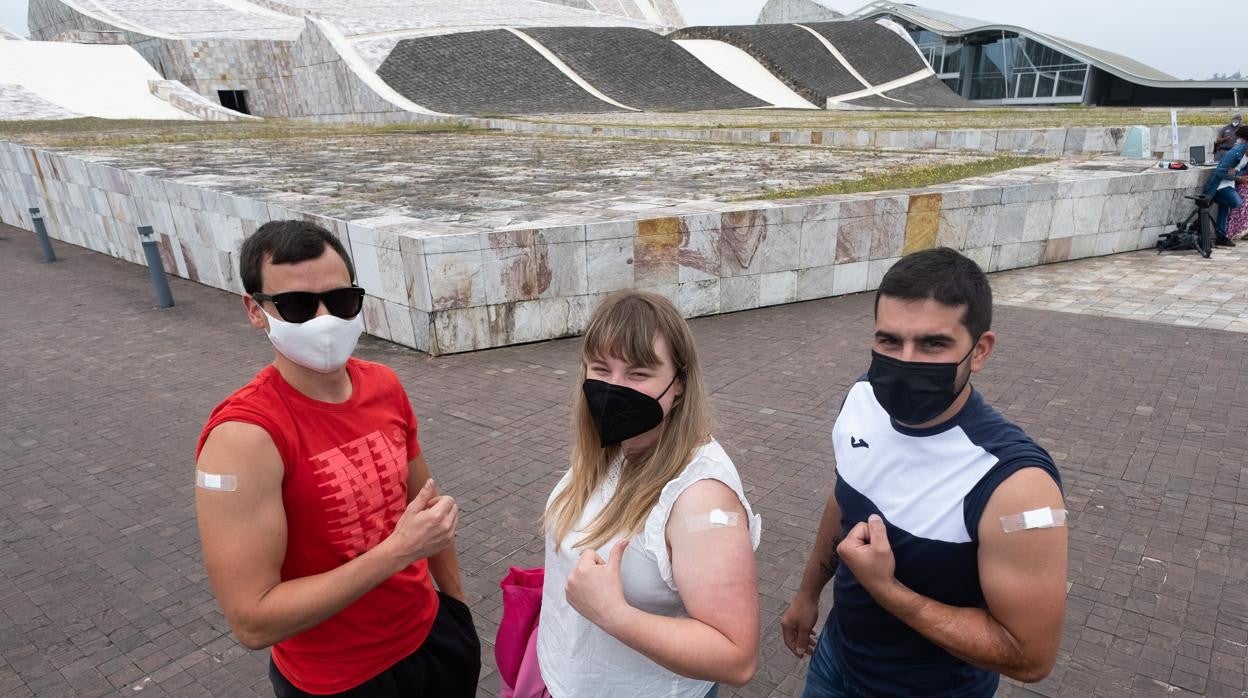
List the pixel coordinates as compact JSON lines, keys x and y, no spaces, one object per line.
{"x":1027,"y":490}
{"x":695,"y":505}
{"x":705,"y":495}
{"x":240,"y":448}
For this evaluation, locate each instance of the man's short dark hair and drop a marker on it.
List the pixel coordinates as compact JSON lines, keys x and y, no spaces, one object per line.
{"x":1242,"y":132}
{"x":286,"y":242}
{"x":947,"y":277}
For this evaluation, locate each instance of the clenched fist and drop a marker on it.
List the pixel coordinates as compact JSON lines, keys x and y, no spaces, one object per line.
{"x":594,"y":588}
{"x":427,"y":526}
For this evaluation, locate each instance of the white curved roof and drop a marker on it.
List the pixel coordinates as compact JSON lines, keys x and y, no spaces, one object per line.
{"x":283,"y":19}
{"x":375,"y":17}
{"x":949,"y":24}
{"x":192,"y":19}
{"x":65,"y":80}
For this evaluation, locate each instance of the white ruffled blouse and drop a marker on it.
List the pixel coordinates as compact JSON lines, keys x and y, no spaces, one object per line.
{"x":578,"y":658}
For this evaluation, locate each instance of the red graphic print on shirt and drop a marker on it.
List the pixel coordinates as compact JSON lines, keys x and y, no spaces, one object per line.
{"x":362,"y":483}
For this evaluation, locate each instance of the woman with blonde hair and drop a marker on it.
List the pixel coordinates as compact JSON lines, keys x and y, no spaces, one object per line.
{"x":650,"y":585}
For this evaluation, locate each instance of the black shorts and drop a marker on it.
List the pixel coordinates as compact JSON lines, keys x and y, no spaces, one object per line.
{"x":447,"y":664}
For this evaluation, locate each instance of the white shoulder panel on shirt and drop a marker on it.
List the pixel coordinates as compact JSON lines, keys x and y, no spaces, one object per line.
{"x":919,"y":484}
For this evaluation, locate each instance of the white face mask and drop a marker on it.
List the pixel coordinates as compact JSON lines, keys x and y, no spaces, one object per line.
{"x":322,"y":344}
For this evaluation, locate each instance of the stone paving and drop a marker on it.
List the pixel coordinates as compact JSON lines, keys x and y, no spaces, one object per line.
{"x":102,"y":588}
{"x":1174,"y":288}
{"x":501,"y":179}
{"x":18,"y":103}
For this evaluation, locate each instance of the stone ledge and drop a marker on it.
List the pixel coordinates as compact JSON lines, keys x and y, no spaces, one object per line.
{"x":91,"y":37}
{"x":445,"y":290}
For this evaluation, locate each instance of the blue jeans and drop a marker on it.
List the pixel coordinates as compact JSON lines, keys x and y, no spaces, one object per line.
{"x":1226,"y":199}
{"x":824,"y":678}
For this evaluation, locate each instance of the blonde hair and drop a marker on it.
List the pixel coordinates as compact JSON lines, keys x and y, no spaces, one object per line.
{"x":625,"y":326}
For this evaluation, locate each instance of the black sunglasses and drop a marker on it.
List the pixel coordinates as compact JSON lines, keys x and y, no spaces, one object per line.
{"x":301,"y":306}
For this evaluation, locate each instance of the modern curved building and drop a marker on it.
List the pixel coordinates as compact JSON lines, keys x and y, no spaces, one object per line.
{"x":1002,"y":64}
{"x":404,"y":60}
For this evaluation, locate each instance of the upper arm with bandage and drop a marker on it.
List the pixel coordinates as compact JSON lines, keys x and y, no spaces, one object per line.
{"x":713,"y":560}
{"x":1022,"y":568}
{"x":242,"y":522}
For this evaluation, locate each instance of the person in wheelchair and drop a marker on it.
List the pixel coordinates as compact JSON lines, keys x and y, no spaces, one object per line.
{"x":1232,"y":169}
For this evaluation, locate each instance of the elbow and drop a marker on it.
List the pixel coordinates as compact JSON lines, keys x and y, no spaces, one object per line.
{"x":1033,"y":672}
{"x":252,"y":643}
{"x":743,"y":671}
{"x":250,"y":635}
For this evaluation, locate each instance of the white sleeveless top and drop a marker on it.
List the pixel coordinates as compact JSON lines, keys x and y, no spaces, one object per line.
{"x":578,"y":658}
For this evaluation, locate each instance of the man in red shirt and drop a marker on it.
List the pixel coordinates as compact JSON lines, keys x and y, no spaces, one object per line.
{"x":319,"y":521}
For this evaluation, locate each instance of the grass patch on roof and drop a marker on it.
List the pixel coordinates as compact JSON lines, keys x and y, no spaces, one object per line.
{"x":912,"y":178}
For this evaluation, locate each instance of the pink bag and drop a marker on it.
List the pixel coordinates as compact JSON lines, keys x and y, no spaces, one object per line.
{"x":515,"y":645}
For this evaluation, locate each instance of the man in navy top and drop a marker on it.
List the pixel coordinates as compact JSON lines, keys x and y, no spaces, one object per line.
{"x":945,"y":533}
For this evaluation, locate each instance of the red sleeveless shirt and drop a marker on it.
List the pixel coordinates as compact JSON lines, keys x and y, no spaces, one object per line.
{"x":344,"y":489}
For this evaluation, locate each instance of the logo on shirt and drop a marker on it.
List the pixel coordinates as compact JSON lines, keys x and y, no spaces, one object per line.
{"x":858,"y":443}
{"x":363,"y":489}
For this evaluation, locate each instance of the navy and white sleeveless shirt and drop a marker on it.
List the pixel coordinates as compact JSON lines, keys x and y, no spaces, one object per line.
{"x":931,"y":487}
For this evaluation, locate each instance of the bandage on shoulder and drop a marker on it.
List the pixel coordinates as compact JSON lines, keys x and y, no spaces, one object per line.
{"x":1036,"y":518}
{"x":715,"y":518}
{"x":216,"y":483}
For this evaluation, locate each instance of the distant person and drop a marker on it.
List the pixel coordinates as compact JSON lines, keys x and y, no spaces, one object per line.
{"x":650,"y":586}
{"x":944,"y":533}
{"x":1221,"y":189}
{"x":1225,"y":139}
{"x":1237,"y":222}
{"x":319,"y":521}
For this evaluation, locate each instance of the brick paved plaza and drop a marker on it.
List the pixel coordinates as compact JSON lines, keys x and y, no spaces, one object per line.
{"x":102,"y":589}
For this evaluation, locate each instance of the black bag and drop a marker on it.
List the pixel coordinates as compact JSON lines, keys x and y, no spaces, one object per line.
{"x":1178,"y":239}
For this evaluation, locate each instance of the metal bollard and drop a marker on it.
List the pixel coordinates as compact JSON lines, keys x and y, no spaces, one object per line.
{"x":155,"y":267}
{"x":41,"y":232}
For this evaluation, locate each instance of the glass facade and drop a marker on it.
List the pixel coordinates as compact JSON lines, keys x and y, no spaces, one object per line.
{"x":944,"y":56}
{"x":1002,"y":67}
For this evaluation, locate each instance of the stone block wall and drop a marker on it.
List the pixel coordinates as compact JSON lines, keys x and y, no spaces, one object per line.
{"x":443,"y":291}
{"x":1051,"y":142}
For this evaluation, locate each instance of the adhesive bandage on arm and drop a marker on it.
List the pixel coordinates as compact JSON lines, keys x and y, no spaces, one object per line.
{"x":715,"y":518}
{"x":216,"y":483}
{"x":1036,"y":518}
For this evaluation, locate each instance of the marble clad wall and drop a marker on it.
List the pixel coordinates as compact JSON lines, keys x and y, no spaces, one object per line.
{"x":444,"y":290}
{"x":1052,"y":142}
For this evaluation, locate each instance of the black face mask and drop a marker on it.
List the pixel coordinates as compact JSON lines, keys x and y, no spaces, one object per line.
{"x":914,"y":392}
{"x":621,"y":413}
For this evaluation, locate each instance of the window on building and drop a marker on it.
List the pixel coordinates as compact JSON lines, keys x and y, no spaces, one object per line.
{"x":1044,"y":84}
{"x":1070,"y":82}
{"x":234,"y":99}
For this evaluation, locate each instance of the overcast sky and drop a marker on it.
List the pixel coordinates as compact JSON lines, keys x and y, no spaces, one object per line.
{"x":1187,"y":39}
